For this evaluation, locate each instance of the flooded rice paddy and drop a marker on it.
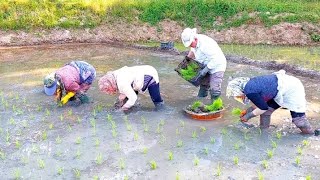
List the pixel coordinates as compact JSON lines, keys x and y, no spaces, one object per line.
{"x":39,"y":140}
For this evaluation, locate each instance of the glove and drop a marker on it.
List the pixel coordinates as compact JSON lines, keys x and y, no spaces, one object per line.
{"x":66,"y":98}
{"x":119,"y":103}
{"x":197,"y":79}
{"x":246,"y":116}
{"x":84,"y":98}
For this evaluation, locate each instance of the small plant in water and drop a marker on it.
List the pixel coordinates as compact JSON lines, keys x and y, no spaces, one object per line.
{"x":44,"y":135}
{"x":219,"y":170}
{"x":58,"y":140}
{"x":70,"y":112}
{"x":279,"y":135}
{"x":117,"y":146}
{"x":78,"y":154}
{"x":61,"y":117}
{"x":297,"y":160}
{"x":153,"y":164}
{"x":206,"y":150}
{"x":274,"y":144}
{"x":179,"y":143}
{"x":212,"y":140}
{"x":236,"y":146}
{"x":236,"y":160}
{"x":18,"y":144}
{"x":60,"y":170}
{"x":203,"y":129}
{"x":17,"y":174}
{"x":41,"y":164}
{"x":270,"y":153}
{"x":308,"y":177}
{"x":97,"y":142}
{"x":181,"y":123}
{"x":121,"y":163}
{"x":78,"y":140}
{"x":299,"y":149}
{"x":145,"y":150}
{"x":99,"y":159}
{"x":51,"y":126}
{"x":145,"y":128}
{"x":170,"y":155}
{"x":194,"y":134}
{"x":77,"y":173}
{"x":135,"y":136}
{"x":196,"y":161}
{"x":260,"y":175}
{"x":305,"y":143}
{"x":265,"y":164}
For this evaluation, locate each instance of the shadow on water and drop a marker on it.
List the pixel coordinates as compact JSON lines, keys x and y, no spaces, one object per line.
{"x":42,"y":141}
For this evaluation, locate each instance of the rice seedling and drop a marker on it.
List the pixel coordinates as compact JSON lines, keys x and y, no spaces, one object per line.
{"x":78,"y":140}
{"x":212,"y":140}
{"x":17,"y":174}
{"x":113,"y":125}
{"x":236,"y":112}
{"x":59,"y":153}
{"x":145,"y":150}
{"x":39,"y":108}
{"x":7,"y":136}
{"x":58,"y":140}
{"x":94,"y":113}
{"x":190,"y":71}
{"x":159,"y":129}
{"x":122,"y":163}
{"x":78,"y":154}
{"x":305,"y":143}
{"x":196,"y":161}
{"x":70,"y":112}
{"x":270,"y":153}
{"x":109,"y":117}
{"x":297,"y":160}
{"x":2,"y":155}
{"x":215,"y":106}
{"x":97,"y":142}
{"x":117,"y":146}
{"x":17,"y":143}
{"x":69,"y":128}
{"x":41,"y":164}
{"x":170,"y":155}
{"x":60,"y":170}
{"x":279,"y":135}
{"x":99,"y":159}
{"x":224,"y":131}
{"x":93,"y":122}
{"x":177,"y":176}
{"x":299,"y":150}
{"x":161,"y":122}
{"x":274,"y":144}
{"x":177,"y":131}
{"x":236,"y":160}
{"x":219,"y":170}
{"x":135,"y":136}
{"x":44,"y":135}
{"x":194,"y":134}
{"x":79,"y":120}
{"x":308,"y":177}
{"x":99,"y":108}
{"x":146,"y":128}
{"x":162,"y":139}
{"x":24,"y":160}
{"x":182,"y":123}
{"x":129,"y":127}
{"x":47,"y":112}
{"x":51,"y":126}
{"x":77,"y":173}
{"x":61,"y":117}
{"x":126,"y":177}
{"x":236,"y":146}
{"x":206,"y":150}
{"x":12,"y":121}
{"x":114,"y":132}
{"x":260,"y":175}
{"x":153,"y":164}
{"x":203,"y":129}
{"x":35,"y":149}
{"x":179,"y":143}
{"x":246,"y":136}
{"x":143,"y":120}
{"x":265,"y":164}
{"x":95,"y":177}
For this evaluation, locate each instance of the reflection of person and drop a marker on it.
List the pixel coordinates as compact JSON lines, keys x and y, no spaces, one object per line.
{"x":268,"y":93}
{"x":70,"y":82}
{"x":129,"y":81}
{"x":206,"y":51}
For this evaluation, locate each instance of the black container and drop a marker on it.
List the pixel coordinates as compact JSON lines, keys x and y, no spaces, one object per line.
{"x":317,"y":132}
{"x":166,"y":45}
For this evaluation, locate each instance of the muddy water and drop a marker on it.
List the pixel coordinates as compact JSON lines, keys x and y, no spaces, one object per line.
{"x":42,"y":141}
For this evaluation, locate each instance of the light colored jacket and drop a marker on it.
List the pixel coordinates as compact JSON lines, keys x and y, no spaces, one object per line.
{"x":291,"y":94}
{"x":131,"y":79}
{"x":209,"y":53}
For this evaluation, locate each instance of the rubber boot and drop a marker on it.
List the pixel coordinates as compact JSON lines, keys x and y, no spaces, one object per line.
{"x":265,"y":118}
{"x":159,"y":106}
{"x":203,"y":92}
{"x":303,"y":124}
{"x":214,"y":95}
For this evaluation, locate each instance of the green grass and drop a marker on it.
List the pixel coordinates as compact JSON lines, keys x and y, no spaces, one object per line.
{"x":26,"y":14}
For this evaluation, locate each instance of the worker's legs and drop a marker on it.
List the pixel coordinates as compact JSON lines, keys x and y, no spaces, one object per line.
{"x":215,"y":84}
{"x":301,"y":121}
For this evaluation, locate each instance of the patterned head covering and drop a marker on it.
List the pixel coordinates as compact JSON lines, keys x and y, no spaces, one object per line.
{"x":108,"y":83}
{"x":236,"y":86}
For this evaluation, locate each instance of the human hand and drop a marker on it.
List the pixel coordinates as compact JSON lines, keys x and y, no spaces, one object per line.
{"x":246,"y":115}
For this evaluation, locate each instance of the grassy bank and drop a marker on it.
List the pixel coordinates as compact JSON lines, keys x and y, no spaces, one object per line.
{"x":28,"y":14}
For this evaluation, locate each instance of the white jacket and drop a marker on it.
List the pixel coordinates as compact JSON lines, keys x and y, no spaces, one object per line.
{"x":209,"y":53}
{"x":291,"y":94}
{"x":131,"y":79}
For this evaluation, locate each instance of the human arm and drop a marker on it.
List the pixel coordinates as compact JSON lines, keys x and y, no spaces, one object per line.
{"x":260,"y":107}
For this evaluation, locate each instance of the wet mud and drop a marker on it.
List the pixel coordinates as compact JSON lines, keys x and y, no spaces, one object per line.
{"x":39,"y":140}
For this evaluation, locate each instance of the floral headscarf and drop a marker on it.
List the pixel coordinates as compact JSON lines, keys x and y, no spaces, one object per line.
{"x":108,"y":83}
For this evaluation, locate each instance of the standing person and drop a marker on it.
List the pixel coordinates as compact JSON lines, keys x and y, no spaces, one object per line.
{"x":206,"y":51}
{"x":70,"y":82}
{"x":268,"y":93}
{"x":129,"y":81}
